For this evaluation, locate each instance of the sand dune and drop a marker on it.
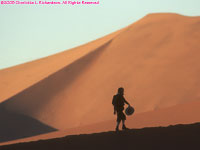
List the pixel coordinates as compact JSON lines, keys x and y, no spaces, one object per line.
{"x":155,"y":59}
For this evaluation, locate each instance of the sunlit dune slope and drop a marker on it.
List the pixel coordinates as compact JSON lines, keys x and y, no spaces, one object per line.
{"x":155,"y":59}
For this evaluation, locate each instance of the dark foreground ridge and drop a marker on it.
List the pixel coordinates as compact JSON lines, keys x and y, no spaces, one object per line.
{"x":178,"y":137}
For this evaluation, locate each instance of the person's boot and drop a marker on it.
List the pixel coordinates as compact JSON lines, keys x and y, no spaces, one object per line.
{"x":124,"y":127}
{"x":117,"y":129}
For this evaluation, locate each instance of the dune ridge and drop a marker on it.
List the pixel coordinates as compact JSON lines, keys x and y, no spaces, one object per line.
{"x":30,"y":73}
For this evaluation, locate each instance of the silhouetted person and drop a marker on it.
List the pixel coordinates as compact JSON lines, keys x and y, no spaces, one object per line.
{"x":118,"y":103}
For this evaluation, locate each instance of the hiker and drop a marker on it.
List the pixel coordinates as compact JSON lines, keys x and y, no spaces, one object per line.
{"x":118,"y":103}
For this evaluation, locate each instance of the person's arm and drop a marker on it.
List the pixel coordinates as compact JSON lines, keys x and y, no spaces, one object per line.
{"x":126,"y":102}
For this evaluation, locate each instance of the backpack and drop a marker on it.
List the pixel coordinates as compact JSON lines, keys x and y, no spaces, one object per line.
{"x":117,"y":101}
{"x":114,"y":100}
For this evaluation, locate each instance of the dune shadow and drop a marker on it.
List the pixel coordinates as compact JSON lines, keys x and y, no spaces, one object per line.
{"x":15,"y":126}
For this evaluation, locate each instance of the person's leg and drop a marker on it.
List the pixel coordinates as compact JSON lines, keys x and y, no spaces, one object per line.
{"x":123,"y":125}
{"x":123,"y":122}
{"x":117,"y":127}
{"x":118,"y":121}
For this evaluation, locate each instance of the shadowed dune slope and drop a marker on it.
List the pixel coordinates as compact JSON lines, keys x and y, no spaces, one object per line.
{"x":16,"y":126}
{"x":155,"y":59}
{"x":181,"y":137}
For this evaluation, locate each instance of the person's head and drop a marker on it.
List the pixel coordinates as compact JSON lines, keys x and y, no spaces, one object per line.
{"x":121,"y":91}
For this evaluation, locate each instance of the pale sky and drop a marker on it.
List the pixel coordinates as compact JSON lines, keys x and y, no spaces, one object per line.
{"x":29,"y":32}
